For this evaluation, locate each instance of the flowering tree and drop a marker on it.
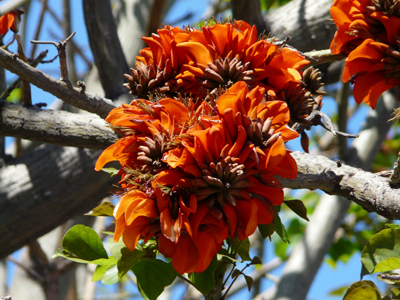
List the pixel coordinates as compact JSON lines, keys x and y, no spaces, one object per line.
{"x":201,"y":148}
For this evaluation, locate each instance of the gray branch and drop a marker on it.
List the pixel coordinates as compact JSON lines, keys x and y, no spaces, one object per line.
{"x":44,"y":189}
{"x":307,"y":23}
{"x":55,"y":127}
{"x":373,"y":192}
{"x":91,"y":103}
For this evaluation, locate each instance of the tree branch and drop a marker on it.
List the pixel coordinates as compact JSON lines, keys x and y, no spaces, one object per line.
{"x":55,"y":127}
{"x":374,"y":193}
{"x":46,"y":188}
{"x":91,"y":103}
{"x":307,"y":24}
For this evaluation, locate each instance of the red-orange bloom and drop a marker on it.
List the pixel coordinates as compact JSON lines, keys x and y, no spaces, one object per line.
{"x":11,"y":21}
{"x":194,"y":177}
{"x":233,"y":161}
{"x":375,"y":67}
{"x":227,"y":53}
{"x":358,"y":20}
{"x":157,"y":65}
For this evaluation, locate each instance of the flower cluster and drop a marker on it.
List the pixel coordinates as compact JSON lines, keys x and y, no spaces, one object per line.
{"x":368,"y":32}
{"x":201,"y":62}
{"x":199,"y":169}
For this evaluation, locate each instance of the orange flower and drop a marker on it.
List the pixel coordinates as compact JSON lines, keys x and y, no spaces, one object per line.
{"x":193,"y":177}
{"x":358,"y":20}
{"x":157,"y":65}
{"x":233,"y":160}
{"x":191,"y":236}
{"x":11,"y":21}
{"x":375,"y":67}
{"x":227,"y":53}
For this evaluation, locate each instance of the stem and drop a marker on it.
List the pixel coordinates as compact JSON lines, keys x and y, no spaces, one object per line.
{"x":233,"y":281}
{"x":185,"y":279}
{"x":215,"y":293}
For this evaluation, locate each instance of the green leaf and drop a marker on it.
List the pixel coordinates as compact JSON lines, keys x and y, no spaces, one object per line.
{"x":297,"y":206}
{"x":244,"y":249}
{"x":392,"y":226}
{"x":68,"y":255}
{"x":101,"y":269}
{"x":15,"y":96}
{"x":339,"y":291}
{"x":106,"y":209}
{"x":153,"y":275}
{"x":249,"y":281}
{"x":275,"y":226}
{"x":256,"y":261}
{"x":235,"y":273}
{"x":205,"y":281}
{"x":110,"y":276}
{"x":84,"y":243}
{"x":389,"y":264}
{"x":227,"y":258}
{"x":395,"y":293}
{"x":382,"y":253}
{"x":266,"y":230}
{"x":280,"y":229}
{"x":362,"y":290}
{"x":392,"y":278}
{"x":127,"y":260}
{"x":111,"y":171}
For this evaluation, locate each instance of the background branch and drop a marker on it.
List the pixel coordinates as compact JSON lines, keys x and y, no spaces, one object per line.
{"x":42,"y":198}
{"x":106,"y":47}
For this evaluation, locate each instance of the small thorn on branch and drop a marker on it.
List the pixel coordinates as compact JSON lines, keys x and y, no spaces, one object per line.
{"x":62,"y":54}
{"x":82,"y":86}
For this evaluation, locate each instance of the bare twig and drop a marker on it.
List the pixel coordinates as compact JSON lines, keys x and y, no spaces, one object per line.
{"x":27,"y":270}
{"x":67,"y":28}
{"x":315,"y":118}
{"x":322,"y":56}
{"x":88,"y":102}
{"x":76,"y":49}
{"x":62,"y":54}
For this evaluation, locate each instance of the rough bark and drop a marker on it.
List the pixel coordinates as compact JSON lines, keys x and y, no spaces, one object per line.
{"x":307,"y":23}
{"x":91,"y":103}
{"x":54,"y":184}
{"x":106,"y":47}
{"x":249,"y":11}
{"x":55,"y":127}
{"x":373,"y":192}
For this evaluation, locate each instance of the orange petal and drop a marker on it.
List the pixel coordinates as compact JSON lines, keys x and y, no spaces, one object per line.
{"x":368,"y":88}
{"x":186,"y":255}
{"x":195,"y":52}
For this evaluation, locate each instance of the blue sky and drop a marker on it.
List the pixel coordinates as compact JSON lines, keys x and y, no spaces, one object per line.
{"x":327,"y":277}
